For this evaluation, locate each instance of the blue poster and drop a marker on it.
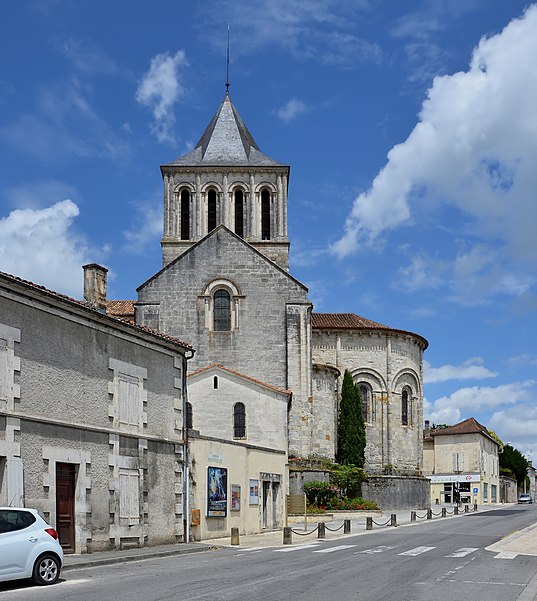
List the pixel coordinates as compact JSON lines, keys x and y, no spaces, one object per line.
{"x":216,"y":492}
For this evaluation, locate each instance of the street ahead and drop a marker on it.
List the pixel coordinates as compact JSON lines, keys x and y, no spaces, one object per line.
{"x":434,"y":561}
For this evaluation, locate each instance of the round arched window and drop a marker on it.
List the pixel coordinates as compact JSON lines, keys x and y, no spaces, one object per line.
{"x":222,"y":311}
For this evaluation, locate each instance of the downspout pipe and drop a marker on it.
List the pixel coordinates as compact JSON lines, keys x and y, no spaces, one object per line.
{"x":186,"y":454}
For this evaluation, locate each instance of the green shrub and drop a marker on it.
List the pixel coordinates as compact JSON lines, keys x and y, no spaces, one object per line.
{"x":320,"y":493}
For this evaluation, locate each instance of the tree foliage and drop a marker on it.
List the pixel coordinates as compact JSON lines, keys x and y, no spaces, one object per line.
{"x":513,"y":460}
{"x":348,"y":479}
{"x":351,"y":429}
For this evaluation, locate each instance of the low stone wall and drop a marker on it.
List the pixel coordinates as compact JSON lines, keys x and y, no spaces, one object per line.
{"x":389,"y":492}
{"x":398,"y":492}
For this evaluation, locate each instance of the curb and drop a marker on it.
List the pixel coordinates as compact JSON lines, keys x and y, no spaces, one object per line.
{"x":126,"y":558}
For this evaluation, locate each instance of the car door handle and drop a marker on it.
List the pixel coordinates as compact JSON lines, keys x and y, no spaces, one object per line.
{"x":33,"y":539}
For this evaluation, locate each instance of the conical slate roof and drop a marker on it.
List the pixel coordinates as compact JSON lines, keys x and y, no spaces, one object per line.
{"x":226,"y":141}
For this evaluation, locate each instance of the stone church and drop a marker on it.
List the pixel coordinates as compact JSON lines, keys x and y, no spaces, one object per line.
{"x":225,"y":287}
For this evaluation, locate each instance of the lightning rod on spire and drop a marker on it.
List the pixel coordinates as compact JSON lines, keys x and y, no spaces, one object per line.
{"x":227,"y":63}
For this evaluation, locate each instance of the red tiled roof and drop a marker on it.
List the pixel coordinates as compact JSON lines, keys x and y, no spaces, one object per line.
{"x":468,"y":426}
{"x":84,"y":305}
{"x":238,"y":373}
{"x":351,"y":321}
{"x":120,"y":307}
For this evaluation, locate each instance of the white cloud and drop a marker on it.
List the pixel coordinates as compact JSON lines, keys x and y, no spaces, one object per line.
{"x":65,"y":125}
{"x":40,"y":245}
{"x":472,"y":369}
{"x":291,"y":110}
{"x":464,"y":401}
{"x":474,"y":150}
{"x":518,"y":426}
{"x":320,"y":30}
{"x":146,"y":227}
{"x":159,"y":89}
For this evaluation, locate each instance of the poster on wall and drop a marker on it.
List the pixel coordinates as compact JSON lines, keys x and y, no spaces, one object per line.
{"x":216,"y":492}
{"x":254,"y":492}
{"x":235,"y":497}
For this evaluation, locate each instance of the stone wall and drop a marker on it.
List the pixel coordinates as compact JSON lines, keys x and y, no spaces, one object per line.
{"x":398,"y":492}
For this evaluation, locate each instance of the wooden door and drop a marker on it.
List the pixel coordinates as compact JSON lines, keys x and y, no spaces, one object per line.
{"x":65,"y":505}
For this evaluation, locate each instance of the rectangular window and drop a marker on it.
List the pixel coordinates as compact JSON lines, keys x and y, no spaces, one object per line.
{"x":493,"y":493}
{"x":129,"y":495}
{"x":485,"y":492}
{"x":130,"y":408}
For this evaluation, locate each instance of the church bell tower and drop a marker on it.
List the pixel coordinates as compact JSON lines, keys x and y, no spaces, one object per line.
{"x":226,"y":180}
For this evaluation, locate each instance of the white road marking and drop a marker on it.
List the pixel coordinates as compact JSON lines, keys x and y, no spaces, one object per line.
{"x":417,"y":551}
{"x":332,"y":549}
{"x":378,"y":549}
{"x":297,"y":548}
{"x":463,"y":552}
{"x":252,"y":549}
{"x":506,"y":555}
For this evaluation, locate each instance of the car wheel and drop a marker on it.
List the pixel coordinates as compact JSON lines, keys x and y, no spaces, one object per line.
{"x":46,"y":569}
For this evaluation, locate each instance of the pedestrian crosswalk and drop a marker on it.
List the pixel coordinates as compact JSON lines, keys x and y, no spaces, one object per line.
{"x":316,"y":547}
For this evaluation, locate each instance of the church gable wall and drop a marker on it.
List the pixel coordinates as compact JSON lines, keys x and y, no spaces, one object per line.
{"x":256,"y":343}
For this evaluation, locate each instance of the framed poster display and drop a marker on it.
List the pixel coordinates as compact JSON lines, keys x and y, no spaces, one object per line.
{"x":216,"y":492}
{"x":254,"y":492}
{"x":235,"y":497}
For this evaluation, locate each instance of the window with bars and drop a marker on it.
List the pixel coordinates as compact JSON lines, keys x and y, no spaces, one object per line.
{"x":222,"y":311}
{"x":239,"y":420}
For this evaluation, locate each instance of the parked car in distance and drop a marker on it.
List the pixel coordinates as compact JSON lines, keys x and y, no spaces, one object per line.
{"x":525,"y":499}
{"x":29,"y":547}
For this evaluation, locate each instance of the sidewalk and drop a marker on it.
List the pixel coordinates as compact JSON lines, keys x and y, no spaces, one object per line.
{"x":523,"y":542}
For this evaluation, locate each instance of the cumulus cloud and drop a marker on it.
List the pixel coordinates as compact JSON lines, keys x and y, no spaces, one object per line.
{"x":464,"y":401}
{"x":291,"y":110}
{"x":519,"y":432}
{"x":159,"y":89}
{"x":473,"y":150}
{"x":40,"y":245}
{"x":471,"y":369}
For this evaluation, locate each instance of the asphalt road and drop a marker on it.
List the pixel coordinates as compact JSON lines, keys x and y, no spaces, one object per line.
{"x":434,"y":561}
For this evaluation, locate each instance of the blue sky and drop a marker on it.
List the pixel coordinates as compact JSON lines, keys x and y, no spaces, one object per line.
{"x":410,"y":128}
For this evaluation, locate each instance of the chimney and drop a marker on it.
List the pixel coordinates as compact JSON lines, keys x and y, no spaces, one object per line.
{"x":95,"y":285}
{"x":427,"y":431}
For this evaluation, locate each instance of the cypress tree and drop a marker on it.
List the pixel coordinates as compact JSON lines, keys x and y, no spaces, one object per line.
{"x":351,"y":429}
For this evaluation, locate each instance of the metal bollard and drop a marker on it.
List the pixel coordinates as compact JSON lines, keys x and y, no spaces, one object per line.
{"x":346,"y":526}
{"x":393,"y":520}
{"x":369,"y":523}
{"x":235,"y":536}
{"x":444,"y":512}
{"x":287,"y":535}
{"x":475,"y":506}
{"x":466,"y":509}
{"x":321,"y":530}
{"x":456,"y":510}
{"x":412,"y":516}
{"x":429,"y":514}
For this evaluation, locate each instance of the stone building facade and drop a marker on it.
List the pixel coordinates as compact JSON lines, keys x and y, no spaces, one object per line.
{"x":225,"y":287}
{"x":462,"y":463}
{"x":91,"y":418}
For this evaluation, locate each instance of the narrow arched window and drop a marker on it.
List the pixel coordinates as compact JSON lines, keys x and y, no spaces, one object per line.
{"x":405,"y":406}
{"x":215,"y":382}
{"x":211,"y":210}
{"x":239,"y":421}
{"x":185,"y":215}
{"x":364,"y":398}
{"x":189,"y":416}
{"x":239,"y":213}
{"x":265,"y":214}
{"x":222,"y":311}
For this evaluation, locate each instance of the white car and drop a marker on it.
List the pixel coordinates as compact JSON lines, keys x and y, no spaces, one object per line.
{"x":29,"y":547}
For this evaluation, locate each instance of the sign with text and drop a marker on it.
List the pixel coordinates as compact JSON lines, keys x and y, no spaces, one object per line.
{"x":216,"y":492}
